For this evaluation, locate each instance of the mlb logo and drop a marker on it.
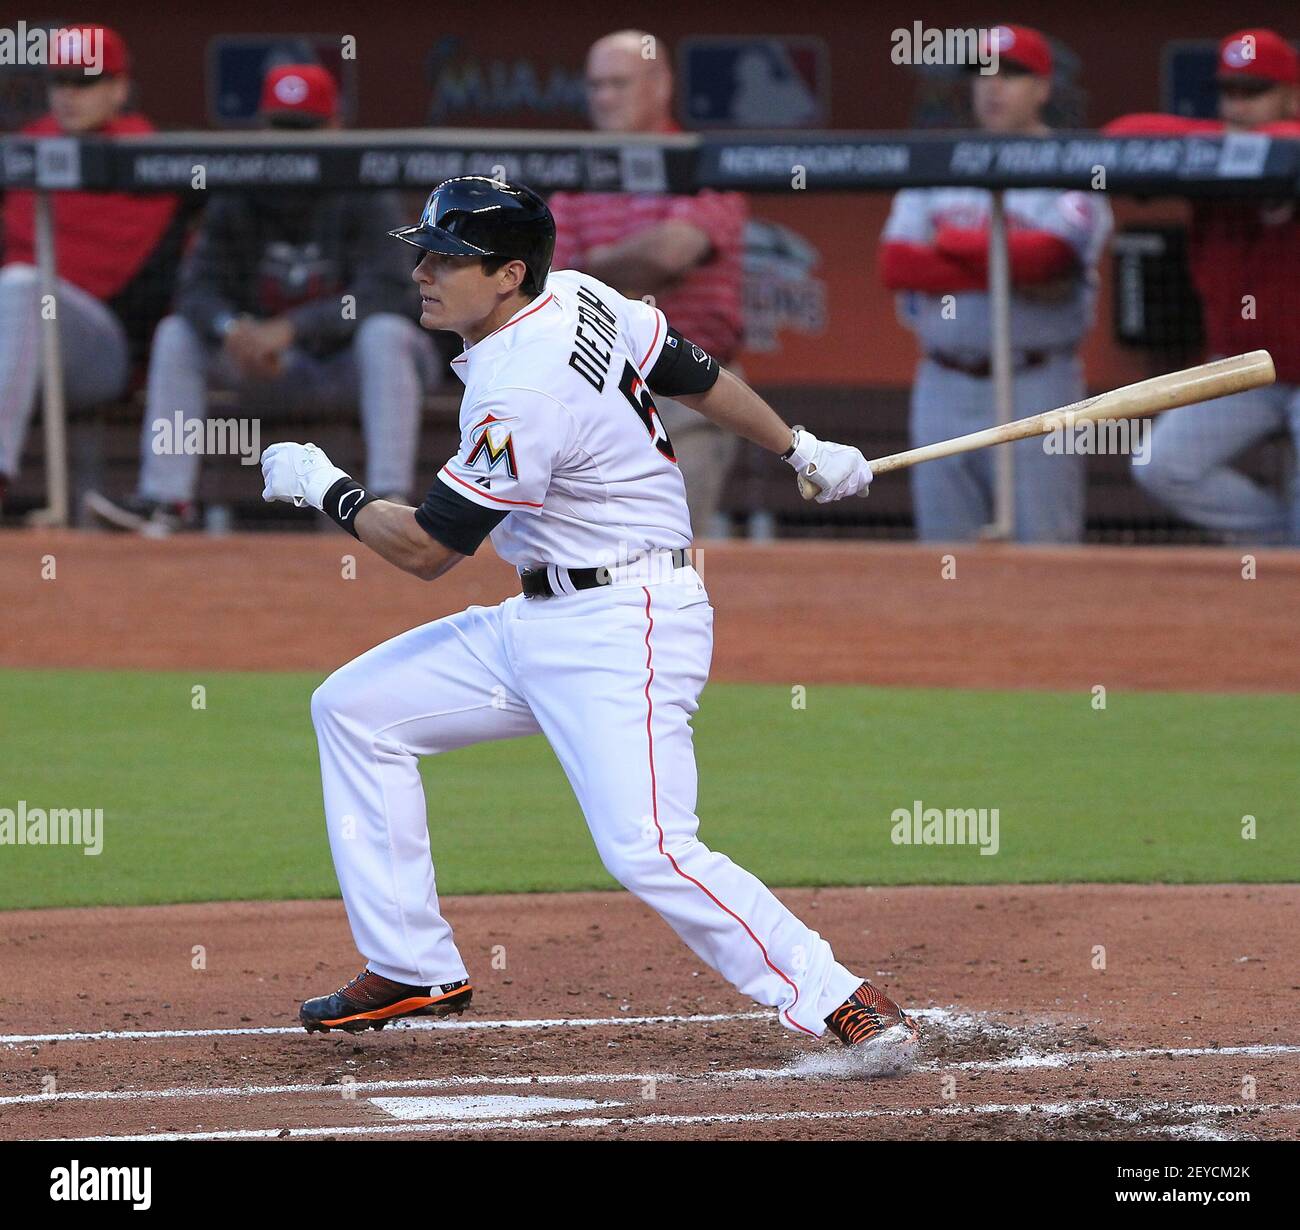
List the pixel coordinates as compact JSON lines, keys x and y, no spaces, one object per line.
{"x":754,"y":82}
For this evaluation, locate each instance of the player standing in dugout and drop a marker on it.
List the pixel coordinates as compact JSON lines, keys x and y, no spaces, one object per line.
{"x":935,"y":250}
{"x":564,"y":463}
{"x":1245,"y":262}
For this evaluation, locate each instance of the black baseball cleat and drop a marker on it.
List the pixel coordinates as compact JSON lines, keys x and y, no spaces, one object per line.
{"x":869,"y":1016}
{"x":370,"y":1001}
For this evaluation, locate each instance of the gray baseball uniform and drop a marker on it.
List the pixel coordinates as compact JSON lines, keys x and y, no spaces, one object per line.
{"x":954,"y":496}
{"x":1190,"y":470}
{"x":93,"y":345}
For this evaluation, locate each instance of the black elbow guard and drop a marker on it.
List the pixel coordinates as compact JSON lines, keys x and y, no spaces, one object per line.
{"x":682,"y":367}
{"x":454,"y":521}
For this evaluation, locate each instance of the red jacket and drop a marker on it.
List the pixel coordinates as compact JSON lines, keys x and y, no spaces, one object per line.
{"x":101,"y":239}
{"x":1239,"y":248}
{"x":958,"y":260}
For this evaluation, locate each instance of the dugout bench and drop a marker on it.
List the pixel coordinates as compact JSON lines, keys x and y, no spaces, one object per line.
{"x":103,"y":454}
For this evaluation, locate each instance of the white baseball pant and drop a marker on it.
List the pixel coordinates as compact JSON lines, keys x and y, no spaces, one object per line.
{"x":611,"y":677}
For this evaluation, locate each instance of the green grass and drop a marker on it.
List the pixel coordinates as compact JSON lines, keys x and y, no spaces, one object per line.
{"x":224,"y":803}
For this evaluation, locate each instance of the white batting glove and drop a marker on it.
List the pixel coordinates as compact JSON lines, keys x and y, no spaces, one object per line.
{"x":838,"y":469}
{"x":298,"y":473}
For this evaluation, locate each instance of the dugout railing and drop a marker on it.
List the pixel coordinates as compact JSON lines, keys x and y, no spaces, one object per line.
{"x":1139,"y":169}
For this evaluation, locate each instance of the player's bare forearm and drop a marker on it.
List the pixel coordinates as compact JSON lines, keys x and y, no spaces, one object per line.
{"x":650,"y":260}
{"x":630,"y":275}
{"x":391,"y":531}
{"x":732,"y":404}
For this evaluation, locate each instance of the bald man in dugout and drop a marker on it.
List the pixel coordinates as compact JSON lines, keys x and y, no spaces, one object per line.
{"x":683,"y":251}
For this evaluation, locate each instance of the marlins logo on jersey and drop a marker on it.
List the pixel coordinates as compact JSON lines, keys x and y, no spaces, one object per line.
{"x":492,"y":451}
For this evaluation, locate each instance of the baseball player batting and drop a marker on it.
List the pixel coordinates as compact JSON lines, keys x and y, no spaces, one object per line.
{"x":564,"y":463}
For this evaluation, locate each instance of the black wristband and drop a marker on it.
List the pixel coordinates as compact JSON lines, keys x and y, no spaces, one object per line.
{"x":343,"y":501}
{"x":794,"y":442}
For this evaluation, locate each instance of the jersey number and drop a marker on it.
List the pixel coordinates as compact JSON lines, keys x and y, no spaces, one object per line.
{"x":634,"y":389}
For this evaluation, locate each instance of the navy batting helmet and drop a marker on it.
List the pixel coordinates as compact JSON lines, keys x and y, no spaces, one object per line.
{"x":476,"y":216}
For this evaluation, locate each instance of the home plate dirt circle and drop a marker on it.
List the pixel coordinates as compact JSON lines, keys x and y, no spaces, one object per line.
{"x":629,"y":1037}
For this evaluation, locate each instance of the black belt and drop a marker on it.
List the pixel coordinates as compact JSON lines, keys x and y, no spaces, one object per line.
{"x":537,"y":584}
{"x":983,"y":368}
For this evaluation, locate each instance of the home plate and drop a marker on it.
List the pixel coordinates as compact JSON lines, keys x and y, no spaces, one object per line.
{"x":492,"y":1106}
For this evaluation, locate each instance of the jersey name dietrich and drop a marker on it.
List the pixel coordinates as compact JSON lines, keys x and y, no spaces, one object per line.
{"x":682,"y":367}
{"x":593,"y":339}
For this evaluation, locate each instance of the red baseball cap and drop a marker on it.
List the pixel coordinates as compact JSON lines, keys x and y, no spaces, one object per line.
{"x":89,"y":46}
{"x":1260,"y":54}
{"x":1022,"y":46}
{"x":299,"y":90}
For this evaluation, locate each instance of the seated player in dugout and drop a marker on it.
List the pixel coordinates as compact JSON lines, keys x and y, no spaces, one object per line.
{"x":684,"y":250}
{"x":1245,"y":263}
{"x":292,"y":300}
{"x":565,"y":463}
{"x":934,"y":251}
{"x":116,"y":253}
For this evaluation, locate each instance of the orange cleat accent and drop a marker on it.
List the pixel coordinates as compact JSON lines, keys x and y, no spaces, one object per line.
{"x":865,"y":1015}
{"x":370,"y":1001}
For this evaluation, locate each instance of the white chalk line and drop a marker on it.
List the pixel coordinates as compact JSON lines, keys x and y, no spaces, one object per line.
{"x":1194,"y":1131}
{"x":345,"y":1091}
{"x":944,"y":1015}
{"x":1067,"y":1059}
{"x":152,"y":1035}
{"x":1122,"y":1110}
{"x":807,"y":1068}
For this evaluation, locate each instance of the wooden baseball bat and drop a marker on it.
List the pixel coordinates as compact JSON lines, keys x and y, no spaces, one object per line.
{"x":1133,"y":401}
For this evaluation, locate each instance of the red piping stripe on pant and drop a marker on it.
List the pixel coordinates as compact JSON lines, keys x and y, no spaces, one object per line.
{"x":654,"y":805}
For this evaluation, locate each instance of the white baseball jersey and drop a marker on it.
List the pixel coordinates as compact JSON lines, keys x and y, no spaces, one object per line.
{"x":559,"y":430}
{"x":1081,"y":219}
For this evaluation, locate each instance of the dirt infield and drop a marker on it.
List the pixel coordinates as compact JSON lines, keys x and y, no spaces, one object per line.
{"x":1188,"y":1030}
{"x":835,"y":612}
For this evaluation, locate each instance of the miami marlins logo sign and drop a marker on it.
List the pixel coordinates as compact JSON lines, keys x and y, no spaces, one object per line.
{"x":494,"y":449}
